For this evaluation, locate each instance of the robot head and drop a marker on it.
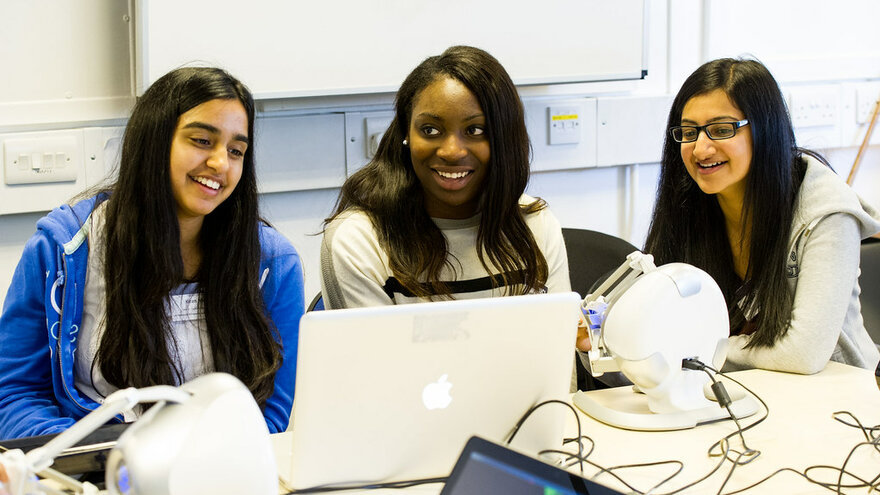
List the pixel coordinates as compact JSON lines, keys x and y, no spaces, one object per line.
{"x":670,"y":314}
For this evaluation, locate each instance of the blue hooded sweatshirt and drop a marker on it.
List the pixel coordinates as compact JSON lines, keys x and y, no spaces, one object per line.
{"x":43,"y":312}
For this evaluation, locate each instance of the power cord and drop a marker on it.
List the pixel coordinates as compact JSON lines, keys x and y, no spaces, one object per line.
{"x":581,"y":457}
{"x":872,"y":439}
{"x":534,"y":408}
{"x":871,"y":433}
{"x":372,"y":486}
{"x":723,"y":444}
{"x":723,"y":398}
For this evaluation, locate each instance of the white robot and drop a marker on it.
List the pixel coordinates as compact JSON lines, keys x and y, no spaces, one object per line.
{"x":650,"y":321}
{"x":206,"y":436}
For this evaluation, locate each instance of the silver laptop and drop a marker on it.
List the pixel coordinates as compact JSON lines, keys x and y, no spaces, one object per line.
{"x":393,"y":393}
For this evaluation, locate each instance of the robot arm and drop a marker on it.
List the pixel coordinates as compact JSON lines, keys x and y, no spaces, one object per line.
{"x":597,"y":304}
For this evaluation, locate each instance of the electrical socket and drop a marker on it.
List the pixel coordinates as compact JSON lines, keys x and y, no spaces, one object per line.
{"x":814,"y":106}
{"x":363,"y":131}
{"x":866,"y":98}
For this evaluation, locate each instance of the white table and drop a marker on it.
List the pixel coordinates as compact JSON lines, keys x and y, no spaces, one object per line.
{"x":799,"y":432}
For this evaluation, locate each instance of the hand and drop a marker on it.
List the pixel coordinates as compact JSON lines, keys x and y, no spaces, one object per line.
{"x":582,"y":342}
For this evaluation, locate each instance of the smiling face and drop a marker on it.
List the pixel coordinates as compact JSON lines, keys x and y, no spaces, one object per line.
{"x":207,"y":156}
{"x":718,"y":167}
{"x":449,"y":148}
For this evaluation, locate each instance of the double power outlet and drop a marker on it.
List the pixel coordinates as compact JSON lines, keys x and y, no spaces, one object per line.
{"x":830,"y":105}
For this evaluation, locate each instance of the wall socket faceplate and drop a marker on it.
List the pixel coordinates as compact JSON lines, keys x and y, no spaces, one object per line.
{"x":54,"y":158}
{"x":564,"y":124}
{"x":866,"y":99}
{"x":363,"y":131}
{"x":815,"y":106}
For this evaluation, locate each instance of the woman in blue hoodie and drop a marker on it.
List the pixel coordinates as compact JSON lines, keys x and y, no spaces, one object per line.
{"x":167,"y":274}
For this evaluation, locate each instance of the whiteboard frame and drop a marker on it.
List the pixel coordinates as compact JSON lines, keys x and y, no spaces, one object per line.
{"x":152,"y":59}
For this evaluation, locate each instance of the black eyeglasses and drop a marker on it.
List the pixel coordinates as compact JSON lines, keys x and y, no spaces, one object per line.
{"x":715,"y":131}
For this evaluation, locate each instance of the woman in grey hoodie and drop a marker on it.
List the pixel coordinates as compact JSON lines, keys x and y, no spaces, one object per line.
{"x":772,"y":223}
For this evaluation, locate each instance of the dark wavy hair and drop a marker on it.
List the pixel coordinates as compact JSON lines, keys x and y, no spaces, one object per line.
{"x":688,"y":225}
{"x":389,"y":192}
{"x":142,"y":262}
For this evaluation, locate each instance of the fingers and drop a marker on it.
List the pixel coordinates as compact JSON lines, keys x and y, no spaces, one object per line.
{"x":583,"y":340}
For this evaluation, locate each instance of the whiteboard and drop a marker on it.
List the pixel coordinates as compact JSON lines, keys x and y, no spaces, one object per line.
{"x":299,"y":48}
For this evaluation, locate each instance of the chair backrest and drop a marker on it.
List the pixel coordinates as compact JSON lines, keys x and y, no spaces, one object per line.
{"x":317,"y":303}
{"x":869,"y":281}
{"x":592,"y":256}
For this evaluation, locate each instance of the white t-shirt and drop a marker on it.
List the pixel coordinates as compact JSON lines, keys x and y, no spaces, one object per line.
{"x":356,"y":272}
{"x":188,"y":346}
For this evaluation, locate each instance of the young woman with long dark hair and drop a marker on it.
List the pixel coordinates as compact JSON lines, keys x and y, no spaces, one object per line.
{"x":439,"y":212}
{"x":167,"y":274}
{"x":772,"y":223}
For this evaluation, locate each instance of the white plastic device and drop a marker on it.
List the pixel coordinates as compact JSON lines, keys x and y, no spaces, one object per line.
{"x":206,"y":436}
{"x":651,"y":320}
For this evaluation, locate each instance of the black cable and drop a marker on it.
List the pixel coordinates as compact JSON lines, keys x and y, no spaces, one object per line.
{"x":872,"y":437}
{"x":837,"y":486}
{"x":704,"y":478}
{"x":584,"y":458}
{"x":581,"y":446}
{"x":807,"y":477}
{"x":534,"y":408}
{"x":846,"y":461}
{"x":724,"y":443}
{"x":771,"y":475}
{"x":740,"y":431}
{"x":649,"y":464}
{"x":371,"y":486}
{"x":581,"y":457}
{"x":834,"y":486}
{"x":872,"y":433}
{"x":724,"y":400}
{"x":597,"y":466}
{"x":752,"y":454}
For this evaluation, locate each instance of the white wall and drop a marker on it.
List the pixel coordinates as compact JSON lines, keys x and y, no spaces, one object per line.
{"x":91,"y":89}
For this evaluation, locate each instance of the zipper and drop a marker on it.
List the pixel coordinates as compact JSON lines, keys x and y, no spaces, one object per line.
{"x":264,"y":276}
{"x":58,"y":343}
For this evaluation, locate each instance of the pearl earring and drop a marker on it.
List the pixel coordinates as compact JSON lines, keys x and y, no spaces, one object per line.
{"x":405,"y":142}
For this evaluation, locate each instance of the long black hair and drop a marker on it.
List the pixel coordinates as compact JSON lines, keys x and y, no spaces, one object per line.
{"x":688,"y":225}
{"x":389,"y":192}
{"x":142,"y":259}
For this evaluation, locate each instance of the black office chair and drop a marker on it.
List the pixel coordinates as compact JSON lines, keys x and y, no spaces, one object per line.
{"x":869,"y":281}
{"x":317,"y":303}
{"x":592,"y":257}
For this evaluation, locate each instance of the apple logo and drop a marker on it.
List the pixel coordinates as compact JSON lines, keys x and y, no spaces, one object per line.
{"x":435,"y":395}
